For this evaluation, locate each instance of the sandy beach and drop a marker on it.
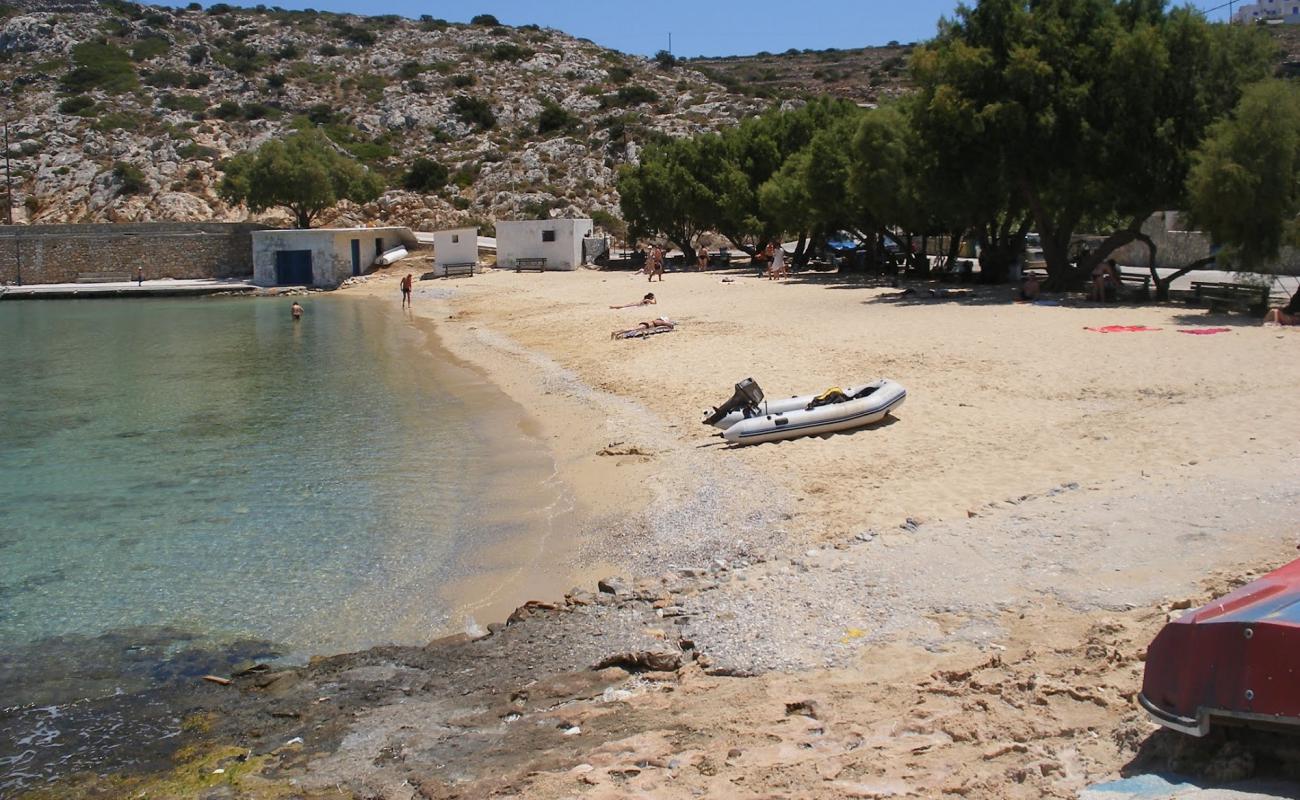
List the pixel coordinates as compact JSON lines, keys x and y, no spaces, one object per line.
{"x":1004,"y":399}
{"x":1023,"y":526}
{"x":953,"y":603}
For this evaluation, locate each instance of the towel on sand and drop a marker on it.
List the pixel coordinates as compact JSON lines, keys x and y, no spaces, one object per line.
{"x":1121,"y":329}
{"x":1203,"y":331}
{"x":641,"y":333}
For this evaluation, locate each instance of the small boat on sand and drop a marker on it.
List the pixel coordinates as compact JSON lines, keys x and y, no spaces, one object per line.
{"x":748,"y":419}
{"x":1233,"y":661}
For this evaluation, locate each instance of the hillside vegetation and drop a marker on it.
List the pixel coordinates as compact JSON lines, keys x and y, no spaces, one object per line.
{"x":126,"y":113}
{"x":122,"y":112}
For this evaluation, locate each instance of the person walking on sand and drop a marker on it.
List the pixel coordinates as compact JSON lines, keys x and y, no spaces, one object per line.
{"x":702,"y":257}
{"x":139,"y":276}
{"x":295,"y":311}
{"x":656,"y":264}
{"x":777,"y":269}
{"x":406,"y":290}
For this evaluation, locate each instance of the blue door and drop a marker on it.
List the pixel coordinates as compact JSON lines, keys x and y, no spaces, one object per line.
{"x":293,"y":268}
{"x":356,"y":256}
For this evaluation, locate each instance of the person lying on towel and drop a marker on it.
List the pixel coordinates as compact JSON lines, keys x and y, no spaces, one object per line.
{"x":656,"y":325}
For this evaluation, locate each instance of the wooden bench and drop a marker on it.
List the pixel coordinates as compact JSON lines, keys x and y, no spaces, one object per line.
{"x":1141,"y":283}
{"x":530,"y":264}
{"x":1221,"y":297}
{"x":103,"y":277}
{"x":459,"y":268}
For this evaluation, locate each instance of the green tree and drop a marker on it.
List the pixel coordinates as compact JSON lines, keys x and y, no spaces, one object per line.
{"x":425,"y":175}
{"x":1092,"y":108}
{"x":1244,"y":187}
{"x":302,"y":172}
{"x":663,"y":194}
{"x":100,"y":65}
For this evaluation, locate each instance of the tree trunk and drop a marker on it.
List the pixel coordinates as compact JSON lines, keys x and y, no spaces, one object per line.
{"x":954,"y":247}
{"x":1162,"y":284}
{"x":800,"y":252}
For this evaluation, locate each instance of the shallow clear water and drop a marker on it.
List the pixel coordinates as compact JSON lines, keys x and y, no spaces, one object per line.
{"x":212,"y":467}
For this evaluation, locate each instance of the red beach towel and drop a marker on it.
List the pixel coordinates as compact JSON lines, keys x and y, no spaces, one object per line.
{"x":1203,"y":331}
{"x":1121,"y":329}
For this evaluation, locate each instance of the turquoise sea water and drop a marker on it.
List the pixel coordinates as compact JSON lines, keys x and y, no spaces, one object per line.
{"x":210,"y":467}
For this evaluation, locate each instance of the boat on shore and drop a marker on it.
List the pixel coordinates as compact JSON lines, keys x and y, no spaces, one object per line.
{"x":1230,"y":662}
{"x":749,"y":419}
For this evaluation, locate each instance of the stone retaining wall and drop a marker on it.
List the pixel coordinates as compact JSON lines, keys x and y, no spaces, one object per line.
{"x":59,"y":253}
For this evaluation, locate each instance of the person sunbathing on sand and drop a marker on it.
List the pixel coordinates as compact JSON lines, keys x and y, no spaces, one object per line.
{"x":1029,"y":290}
{"x":648,"y":300}
{"x":657,"y":323}
{"x":1288,"y":314}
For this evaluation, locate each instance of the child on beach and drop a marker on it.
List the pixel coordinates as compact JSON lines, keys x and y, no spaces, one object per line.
{"x":406,"y":291}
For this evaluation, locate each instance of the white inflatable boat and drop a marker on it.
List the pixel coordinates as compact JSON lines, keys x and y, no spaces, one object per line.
{"x":391,"y":256}
{"x":748,"y":419}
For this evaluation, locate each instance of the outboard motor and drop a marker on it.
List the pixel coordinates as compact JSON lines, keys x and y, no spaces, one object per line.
{"x":746,"y":398}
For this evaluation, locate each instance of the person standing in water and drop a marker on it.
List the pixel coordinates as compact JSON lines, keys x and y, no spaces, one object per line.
{"x":406,"y":290}
{"x":296,"y":311}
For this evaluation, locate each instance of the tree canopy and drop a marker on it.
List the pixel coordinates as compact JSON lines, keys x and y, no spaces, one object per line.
{"x":1090,"y":108}
{"x":302,"y":172}
{"x":1055,"y":115}
{"x":1244,"y":186}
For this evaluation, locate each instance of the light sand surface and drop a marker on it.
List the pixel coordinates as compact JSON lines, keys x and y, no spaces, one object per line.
{"x":1003,"y":399}
{"x":1065,"y":490}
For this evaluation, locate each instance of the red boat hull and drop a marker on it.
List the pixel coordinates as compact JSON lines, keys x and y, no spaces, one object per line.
{"x":1235,"y":660}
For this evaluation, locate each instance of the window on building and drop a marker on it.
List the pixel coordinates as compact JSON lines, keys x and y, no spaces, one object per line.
{"x":548,"y":236}
{"x":455,"y":238}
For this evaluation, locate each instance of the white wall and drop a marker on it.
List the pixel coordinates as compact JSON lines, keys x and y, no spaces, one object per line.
{"x":456,"y":246}
{"x":331,"y":250}
{"x":523,"y":239}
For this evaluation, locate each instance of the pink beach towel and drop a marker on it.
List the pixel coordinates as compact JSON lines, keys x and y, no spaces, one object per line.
{"x":1203,"y":331}
{"x":1121,"y":329}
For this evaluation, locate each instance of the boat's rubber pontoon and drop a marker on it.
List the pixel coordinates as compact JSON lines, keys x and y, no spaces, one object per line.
{"x":747,"y":419}
{"x":1235,"y":660}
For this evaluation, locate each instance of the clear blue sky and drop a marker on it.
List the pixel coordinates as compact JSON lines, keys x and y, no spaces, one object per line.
{"x":698,"y":27}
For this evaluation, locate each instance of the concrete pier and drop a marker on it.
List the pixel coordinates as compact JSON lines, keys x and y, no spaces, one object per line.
{"x":158,"y":288}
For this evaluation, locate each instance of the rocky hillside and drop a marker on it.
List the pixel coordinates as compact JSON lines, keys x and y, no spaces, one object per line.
{"x":865,"y":75}
{"x":123,"y":112}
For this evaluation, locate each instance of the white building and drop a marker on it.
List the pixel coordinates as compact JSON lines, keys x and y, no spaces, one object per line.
{"x":1287,"y":11}
{"x":321,"y":256}
{"x":457,"y":246}
{"x":559,"y":241}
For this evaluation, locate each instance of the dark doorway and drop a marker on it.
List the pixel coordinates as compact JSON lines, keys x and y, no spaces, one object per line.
{"x":293,"y":268}
{"x":356,"y":256}
{"x":379,"y":247}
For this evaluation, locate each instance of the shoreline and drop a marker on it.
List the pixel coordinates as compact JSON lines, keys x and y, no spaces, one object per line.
{"x":953,"y":605}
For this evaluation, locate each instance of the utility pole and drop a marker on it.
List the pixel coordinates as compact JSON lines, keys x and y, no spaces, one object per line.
{"x":670,"y":41}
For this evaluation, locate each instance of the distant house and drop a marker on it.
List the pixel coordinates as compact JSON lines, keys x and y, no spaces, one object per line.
{"x":321,"y":256}
{"x":559,"y":241}
{"x":1286,"y":11}
{"x":456,"y":246}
